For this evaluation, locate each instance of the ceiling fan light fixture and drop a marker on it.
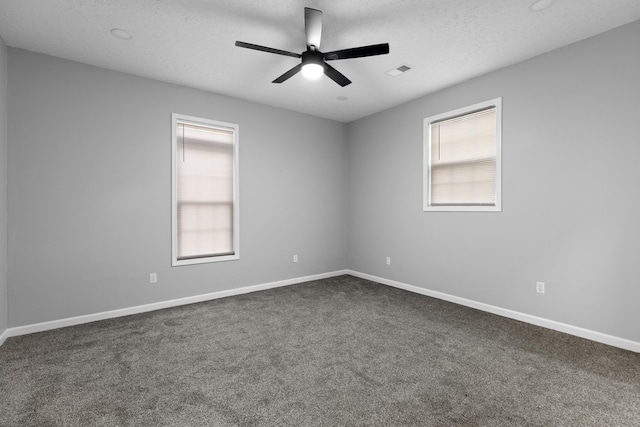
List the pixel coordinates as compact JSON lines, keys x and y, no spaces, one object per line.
{"x":312,"y":64}
{"x":312,"y":71}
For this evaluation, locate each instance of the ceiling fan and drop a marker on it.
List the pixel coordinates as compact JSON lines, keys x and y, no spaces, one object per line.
{"x":313,"y":63}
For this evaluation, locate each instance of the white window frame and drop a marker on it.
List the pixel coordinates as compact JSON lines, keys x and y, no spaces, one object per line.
{"x":175,"y":117}
{"x":497,"y":102}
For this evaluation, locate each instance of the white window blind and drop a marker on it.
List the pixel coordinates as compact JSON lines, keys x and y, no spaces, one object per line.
{"x":463,"y":160}
{"x":205,"y":193}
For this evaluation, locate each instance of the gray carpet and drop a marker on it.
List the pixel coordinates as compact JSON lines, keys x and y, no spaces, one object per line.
{"x":335,"y":352}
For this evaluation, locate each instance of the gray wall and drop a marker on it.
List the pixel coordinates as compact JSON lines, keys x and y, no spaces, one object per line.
{"x":4,"y":308}
{"x":89,"y":191}
{"x":571,"y":204}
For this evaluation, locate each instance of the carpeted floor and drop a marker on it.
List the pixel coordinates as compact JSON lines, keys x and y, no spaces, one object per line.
{"x":335,"y":352}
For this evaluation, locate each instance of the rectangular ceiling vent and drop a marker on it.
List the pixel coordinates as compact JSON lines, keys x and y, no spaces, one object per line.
{"x":397,"y":71}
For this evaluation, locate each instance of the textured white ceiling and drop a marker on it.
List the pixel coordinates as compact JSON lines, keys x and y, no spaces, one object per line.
{"x":191,"y":42}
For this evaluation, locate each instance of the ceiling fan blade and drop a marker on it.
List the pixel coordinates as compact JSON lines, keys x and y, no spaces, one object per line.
{"x":313,"y":27}
{"x":335,"y":75}
{"x":286,"y":76}
{"x":267,"y":49}
{"x":358,"y":52}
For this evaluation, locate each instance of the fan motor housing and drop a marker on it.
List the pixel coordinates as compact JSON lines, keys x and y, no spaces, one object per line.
{"x":312,"y":57}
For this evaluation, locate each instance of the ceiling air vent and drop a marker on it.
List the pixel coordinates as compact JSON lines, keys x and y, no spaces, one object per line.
{"x":397,"y":71}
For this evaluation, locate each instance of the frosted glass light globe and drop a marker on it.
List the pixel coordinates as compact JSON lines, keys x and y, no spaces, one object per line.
{"x":312,"y":71}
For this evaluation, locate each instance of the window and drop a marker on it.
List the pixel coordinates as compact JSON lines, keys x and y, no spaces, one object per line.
{"x":462,"y":170}
{"x":205,"y":191}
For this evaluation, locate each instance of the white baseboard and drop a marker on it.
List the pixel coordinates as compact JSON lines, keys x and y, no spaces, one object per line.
{"x":527,"y":318}
{"x":3,"y":336}
{"x":77,"y":320}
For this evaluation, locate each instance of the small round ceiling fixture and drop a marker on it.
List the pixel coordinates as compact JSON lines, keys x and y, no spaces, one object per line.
{"x":539,"y":5}
{"x":121,"y":34}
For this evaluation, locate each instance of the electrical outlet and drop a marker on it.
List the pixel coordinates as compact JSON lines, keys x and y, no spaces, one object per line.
{"x":153,"y":277}
{"x":388,"y":260}
{"x":540,"y":287}
{"x":295,"y":258}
